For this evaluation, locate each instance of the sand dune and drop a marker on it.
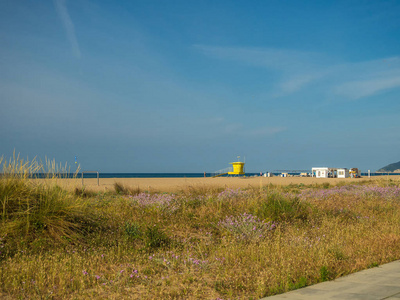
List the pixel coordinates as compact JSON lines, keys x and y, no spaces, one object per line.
{"x":178,"y":184}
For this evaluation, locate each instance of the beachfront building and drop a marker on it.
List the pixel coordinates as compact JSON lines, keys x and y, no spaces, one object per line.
{"x":330,"y":172}
{"x":320,"y":172}
{"x":343,"y":173}
{"x":268,"y":174}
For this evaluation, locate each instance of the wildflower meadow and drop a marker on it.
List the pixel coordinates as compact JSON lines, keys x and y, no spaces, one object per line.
{"x":195,"y":244}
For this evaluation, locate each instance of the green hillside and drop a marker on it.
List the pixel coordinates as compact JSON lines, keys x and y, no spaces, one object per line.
{"x":390,"y":168}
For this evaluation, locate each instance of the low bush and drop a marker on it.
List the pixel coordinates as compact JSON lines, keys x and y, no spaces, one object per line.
{"x":280,"y":207}
{"x":156,"y":238}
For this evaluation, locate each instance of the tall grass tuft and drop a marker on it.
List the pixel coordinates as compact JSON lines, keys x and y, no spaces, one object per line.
{"x":17,"y":167}
{"x":123,"y":190}
{"x":32,"y":211}
{"x":280,"y":207}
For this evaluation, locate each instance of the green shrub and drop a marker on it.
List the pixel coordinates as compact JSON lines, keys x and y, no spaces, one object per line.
{"x":373,"y":265}
{"x":133,"y":231}
{"x":302,"y":282}
{"x":277,"y":207}
{"x":324,"y":273}
{"x":156,"y":238}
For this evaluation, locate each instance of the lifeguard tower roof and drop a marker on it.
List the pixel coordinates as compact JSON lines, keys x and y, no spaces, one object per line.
{"x":237,"y":168}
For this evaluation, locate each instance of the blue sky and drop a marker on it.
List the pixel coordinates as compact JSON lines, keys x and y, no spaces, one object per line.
{"x":187,"y":86}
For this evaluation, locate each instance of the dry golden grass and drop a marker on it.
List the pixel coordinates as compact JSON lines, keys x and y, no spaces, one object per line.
{"x":199,"y":242}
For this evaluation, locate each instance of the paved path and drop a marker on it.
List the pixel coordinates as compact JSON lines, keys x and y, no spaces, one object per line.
{"x":378,"y":283}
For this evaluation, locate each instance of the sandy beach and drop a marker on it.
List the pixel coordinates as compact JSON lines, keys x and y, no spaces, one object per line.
{"x":179,"y":184}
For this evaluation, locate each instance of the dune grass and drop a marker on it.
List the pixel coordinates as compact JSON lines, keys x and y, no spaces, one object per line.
{"x":196,"y":244}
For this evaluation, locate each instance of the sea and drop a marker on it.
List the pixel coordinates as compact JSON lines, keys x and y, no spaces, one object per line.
{"x":167,"y":175}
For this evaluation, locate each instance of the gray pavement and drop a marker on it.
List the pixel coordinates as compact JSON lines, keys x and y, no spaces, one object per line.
{"x":382,"y":282}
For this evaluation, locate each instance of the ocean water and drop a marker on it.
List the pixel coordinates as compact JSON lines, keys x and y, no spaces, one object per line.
{"x":152,"y":175}
{"x":187,"y":175}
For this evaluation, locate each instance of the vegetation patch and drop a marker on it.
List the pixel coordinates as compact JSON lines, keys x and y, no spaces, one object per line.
{"x":200,"y":243}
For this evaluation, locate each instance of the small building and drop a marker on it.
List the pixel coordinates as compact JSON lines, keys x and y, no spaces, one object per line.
{"x":342,"y":173}
{"x":330,"y":172}
{"x":320,"y":172}
{"x":237,"y":168}
{"x":268,"y":174}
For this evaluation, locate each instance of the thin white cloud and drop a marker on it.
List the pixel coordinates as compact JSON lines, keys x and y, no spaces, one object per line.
{"x":279,"y":59}
{"x":296,"y":83}
{"x":365,"y":88}
{"x":299,"y":70}
{"x":368,"y":78}
{"x":68,"y":26}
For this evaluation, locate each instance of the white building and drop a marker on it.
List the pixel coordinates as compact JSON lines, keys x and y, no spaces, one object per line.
{"x":268,"y":174}
{"x":330,"y":172}
{"x":320,"y":172}
{"x":343,"y":173}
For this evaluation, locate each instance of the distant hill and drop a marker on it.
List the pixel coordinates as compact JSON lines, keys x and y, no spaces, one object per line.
{"x":395,"y":167}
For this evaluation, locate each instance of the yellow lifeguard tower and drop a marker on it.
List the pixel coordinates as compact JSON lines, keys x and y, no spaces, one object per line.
{"x":237,"y":168}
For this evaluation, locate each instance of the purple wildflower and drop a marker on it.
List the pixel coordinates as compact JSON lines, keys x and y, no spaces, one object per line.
{"x":162,"y":201}
{"x":246,"y":226}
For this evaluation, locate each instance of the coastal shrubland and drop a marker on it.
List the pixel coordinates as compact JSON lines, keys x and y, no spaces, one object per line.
{"x":199,"y":243}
